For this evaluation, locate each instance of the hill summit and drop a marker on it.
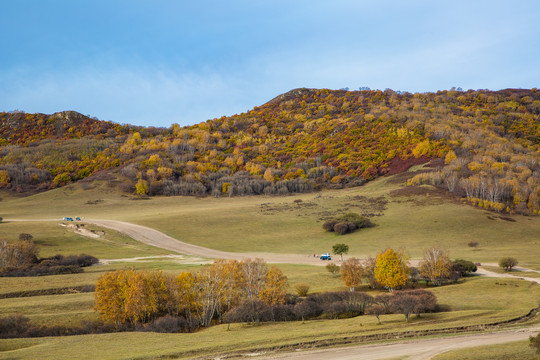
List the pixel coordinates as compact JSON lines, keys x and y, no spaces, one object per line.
{"x":487,"y":143}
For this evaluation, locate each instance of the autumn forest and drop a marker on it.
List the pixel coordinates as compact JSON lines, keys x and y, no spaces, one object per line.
{"x":480,"y":145}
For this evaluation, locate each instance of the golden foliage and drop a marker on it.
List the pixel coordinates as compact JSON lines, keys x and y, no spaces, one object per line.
{"x":391,"y":269}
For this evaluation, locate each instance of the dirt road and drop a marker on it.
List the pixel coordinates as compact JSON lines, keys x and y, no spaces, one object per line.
{"x":158,"y":239}
{"x":412,"y":350}
{"x":513,"y":275}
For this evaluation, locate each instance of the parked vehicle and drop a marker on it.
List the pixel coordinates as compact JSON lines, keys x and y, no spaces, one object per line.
{"x":67,"y":219}
{"x":325,"y":256}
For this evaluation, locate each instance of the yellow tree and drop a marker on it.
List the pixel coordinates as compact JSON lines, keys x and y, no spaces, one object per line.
{"x":352,"y":272}
{"x":436,"y":266}
{"x":276,"y":287}
{"x":184,"y":296}
{"x":391,"y":269}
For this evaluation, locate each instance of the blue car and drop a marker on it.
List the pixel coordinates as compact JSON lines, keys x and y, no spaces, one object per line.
{"x":325,"y":256}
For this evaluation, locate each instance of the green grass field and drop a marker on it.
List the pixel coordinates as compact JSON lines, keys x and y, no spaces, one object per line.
{"x":412,"y":218}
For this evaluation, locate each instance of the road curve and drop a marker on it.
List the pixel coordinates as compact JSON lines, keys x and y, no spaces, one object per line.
{"x":158,"y":239}
{"x":420,"y":349}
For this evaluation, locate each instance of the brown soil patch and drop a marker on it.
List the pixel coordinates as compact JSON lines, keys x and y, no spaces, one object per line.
{"x":398,"y":165}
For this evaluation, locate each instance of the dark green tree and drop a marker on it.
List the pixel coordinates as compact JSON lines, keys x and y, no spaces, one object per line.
{"x":340,"y":249}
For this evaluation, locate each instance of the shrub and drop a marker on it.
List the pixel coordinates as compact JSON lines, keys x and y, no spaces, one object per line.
{"x":307,"y":309}
{"x":358,"y":220}
{"x":169,"y":324}
{"x":302,"y":289}
{"x":473,"y":244}
{"x":341,"y":228}
{"x":535,"y":342}
{"x":347,"y":223}
{"x":329,"y":225}
{"x":25,"y":237}
{"x":252,"y":311}
{"x":333,"y":269}
{"x":463,"y":267}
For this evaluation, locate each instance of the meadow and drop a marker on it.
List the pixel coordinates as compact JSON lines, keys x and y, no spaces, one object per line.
{"x":410,"y":218}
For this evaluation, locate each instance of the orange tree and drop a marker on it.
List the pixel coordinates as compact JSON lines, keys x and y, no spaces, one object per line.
{"x":352,"y":273}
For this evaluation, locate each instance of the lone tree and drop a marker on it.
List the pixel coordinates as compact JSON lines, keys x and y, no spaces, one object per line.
{"x":507,"y":263}
{"x":391,"y":269}
{"x":340,"y":249}
{"x":436,"y":266}
{"x":352,"y":273}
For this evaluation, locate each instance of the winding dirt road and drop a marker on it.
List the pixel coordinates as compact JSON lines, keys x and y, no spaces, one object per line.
{"x":158,"y":239}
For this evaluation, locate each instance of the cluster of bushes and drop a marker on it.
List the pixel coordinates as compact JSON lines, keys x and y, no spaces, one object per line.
{"x":18,"y":326}
{"x":326,"y":305}
{"x":347,"y":223}
{"x":20,"y":258}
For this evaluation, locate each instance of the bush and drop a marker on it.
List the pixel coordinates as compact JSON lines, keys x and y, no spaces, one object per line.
{"x":463,"y":267}
{"x":25,"y":237}
{"x":535,"y":342}
{"x":341,"y":228}
{"x":333,"y":269}
{"x":329,"y":225}
{"x":302,"y":289}
{"x":347,"y":223}
{"x":358,"y":220}
{"x":169,"y":324}
{"x":252,"y":311}
{"x":307,"y":309}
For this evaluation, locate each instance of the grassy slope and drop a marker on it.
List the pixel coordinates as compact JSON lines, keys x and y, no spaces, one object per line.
{"x":413,"y":222}
{"x":277,"y":224}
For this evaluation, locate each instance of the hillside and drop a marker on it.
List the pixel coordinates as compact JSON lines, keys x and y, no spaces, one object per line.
{"x":488,"y":144}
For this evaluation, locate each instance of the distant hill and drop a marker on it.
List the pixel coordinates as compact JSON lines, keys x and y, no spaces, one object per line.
{"x":487,"y":146}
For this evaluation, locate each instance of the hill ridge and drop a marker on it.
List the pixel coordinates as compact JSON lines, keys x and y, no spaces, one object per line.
{"x":302,"y":140}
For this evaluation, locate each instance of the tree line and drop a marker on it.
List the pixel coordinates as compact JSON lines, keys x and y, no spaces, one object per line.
{"x":231,"y":291}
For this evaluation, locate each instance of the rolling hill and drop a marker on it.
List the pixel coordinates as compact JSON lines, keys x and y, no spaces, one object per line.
{"x":483,"y":145}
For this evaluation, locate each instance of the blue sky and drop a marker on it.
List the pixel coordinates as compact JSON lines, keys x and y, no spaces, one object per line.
{"x":160,"y":62}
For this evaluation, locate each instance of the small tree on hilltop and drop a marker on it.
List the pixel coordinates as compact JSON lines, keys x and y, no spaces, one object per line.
{"x":340,"y":249}
{"x":507,"y":263}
